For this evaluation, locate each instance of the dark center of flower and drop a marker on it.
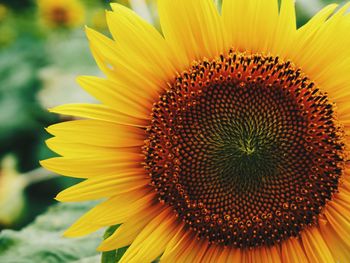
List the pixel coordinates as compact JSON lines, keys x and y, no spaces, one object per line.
{"x":60,"y":15}
{"x":245,"y":149}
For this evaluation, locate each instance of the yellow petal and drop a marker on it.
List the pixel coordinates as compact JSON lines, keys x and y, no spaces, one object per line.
{"x":336,"y":231}
{"x":265,"y":255}
{"x":175,"y":244}
{"x":336,"y":206}
{"x":195,"y":31}
{"x":129,"y":230}
{"x":195,"y":252}
{"x":342,"y":198}
{"x":118,"y":96}
{"x":103,"y":186}
{"x":310,"y":28}
{"x":83,"y":150}
{"x":212,"y":254}
{"x":98,"y":133}
{"x":185,"y":247}
{"x":121,"y":66}
{"x":153,"y":239}
{"x":321,"y":50}
{"x":315,"y":247}
{"x":99,"y":112}
{"x":230,"y":255}
{"x":308,"y":32}
{"x":115,"y":210}
{"x":285,"y":34}
{"x":336,"y":234}
{"x":292,"y":251}
{"x":136,"y":36}
{"x":88,"y":167}
{"x":338,"y":217}
{"x":250,"y":24}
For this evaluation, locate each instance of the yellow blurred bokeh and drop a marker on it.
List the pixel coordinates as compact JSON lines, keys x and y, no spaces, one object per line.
{"x":61,"y":13}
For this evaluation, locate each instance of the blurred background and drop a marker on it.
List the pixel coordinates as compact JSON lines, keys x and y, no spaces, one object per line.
{"x":42,"y":50}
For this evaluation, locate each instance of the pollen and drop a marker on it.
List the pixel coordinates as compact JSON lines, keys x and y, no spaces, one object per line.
{"x":245,"y":148}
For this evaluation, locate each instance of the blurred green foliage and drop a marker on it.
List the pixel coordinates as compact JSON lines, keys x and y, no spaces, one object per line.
{"x":18,"y":4}
{"x":21,"y":116}
{"x":42,"y":241}
{"x":27,"y":50}
{"x":305,"y":9}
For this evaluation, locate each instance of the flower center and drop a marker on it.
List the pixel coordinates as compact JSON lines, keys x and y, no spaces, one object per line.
{"x":245,"y":149}
{"x":60,"y":15}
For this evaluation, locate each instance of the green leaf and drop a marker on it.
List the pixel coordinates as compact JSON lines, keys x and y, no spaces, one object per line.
{"x":112,"y":256}
{"x":42,"y":241}
{"x":120,"y":253}
{"x":109,"y":256}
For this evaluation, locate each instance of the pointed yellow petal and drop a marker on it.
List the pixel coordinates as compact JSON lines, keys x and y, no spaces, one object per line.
{"x":101,"y":187}
{"x":136,"y":36}
{"x":98,"y":133}
{"x":128,"y":231}
{"x":123,"y":67}
{"x":153,"y":239}
{"x":125,"y":162}
{"x":315,"y":247}
{"x":314,"y":52}
{"x":115,"y":210}
{"x":82,"y":230}
{"x":195,"y":31}
{"x":315,"y":22}
{"x":118,"y":96}
{"x":98,"y":112}
{"x":83,"y":150}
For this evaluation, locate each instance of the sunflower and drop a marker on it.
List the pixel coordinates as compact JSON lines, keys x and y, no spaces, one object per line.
{"x":61,"y":13}
{"x":223,"y":140}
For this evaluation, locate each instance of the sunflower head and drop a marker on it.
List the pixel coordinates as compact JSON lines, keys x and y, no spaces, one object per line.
{"x":251,"y":134}
{"x":223,"y":139}
{"x":61,"y":13}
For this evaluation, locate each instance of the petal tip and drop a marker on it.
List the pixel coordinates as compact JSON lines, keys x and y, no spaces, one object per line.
{"x":103,"y":248}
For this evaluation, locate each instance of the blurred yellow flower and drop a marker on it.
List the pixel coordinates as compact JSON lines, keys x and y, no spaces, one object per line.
{"x":61,"y":13}
{"x":11,"y":191}
{"x":3,"y":12}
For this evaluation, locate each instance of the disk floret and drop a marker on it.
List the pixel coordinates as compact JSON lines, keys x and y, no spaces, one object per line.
{"x":245,"y":148}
